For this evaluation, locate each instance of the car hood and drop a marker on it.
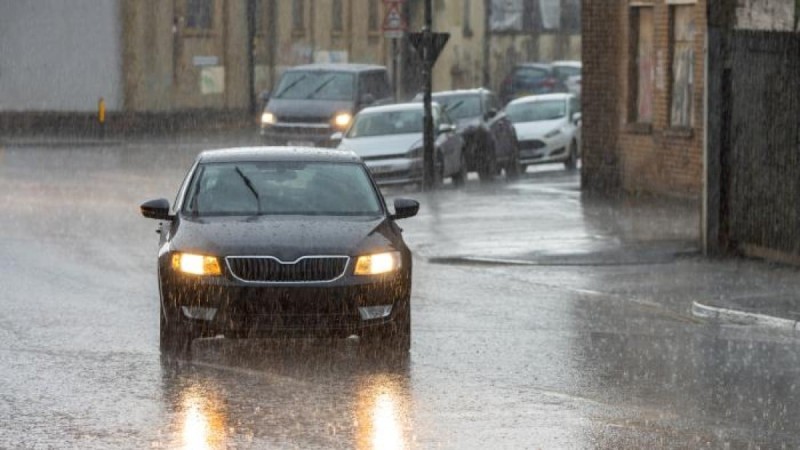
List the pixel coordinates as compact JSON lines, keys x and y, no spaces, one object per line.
{"x":307,"y":108}
{"x":531,"y":130}
{"x":376,"y":146}
{"x":467,"y":122}
{"x":284,"y":237}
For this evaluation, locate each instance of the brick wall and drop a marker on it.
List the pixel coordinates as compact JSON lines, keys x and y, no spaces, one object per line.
{"x":656,"y":157}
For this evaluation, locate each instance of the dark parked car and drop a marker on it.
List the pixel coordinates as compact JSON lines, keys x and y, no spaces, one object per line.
{"x":531,"y":79}
{"x":490,"y":139}
{"x":312,"y":102}
{"x":275,"y":241}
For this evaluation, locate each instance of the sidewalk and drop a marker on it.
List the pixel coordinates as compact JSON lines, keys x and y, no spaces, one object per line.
{"x":642,"y":248}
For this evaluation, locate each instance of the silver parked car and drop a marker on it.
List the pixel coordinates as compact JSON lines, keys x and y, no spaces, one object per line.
{"x":548,"y":128}
{"x":570,"y":72}
{"x":389,"y":140}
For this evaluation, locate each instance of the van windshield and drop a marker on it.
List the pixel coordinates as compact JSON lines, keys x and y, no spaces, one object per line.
{"x":315,"y":85}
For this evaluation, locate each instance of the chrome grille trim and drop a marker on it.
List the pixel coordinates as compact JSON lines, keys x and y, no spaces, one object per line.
{"x":343,"y":260}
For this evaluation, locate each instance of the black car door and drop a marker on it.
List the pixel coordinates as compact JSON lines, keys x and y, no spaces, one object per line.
{"x":501,"y":128}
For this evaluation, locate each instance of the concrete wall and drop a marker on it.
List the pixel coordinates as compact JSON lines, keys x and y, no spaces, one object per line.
{"x":771,"y":15}
{"x":60,"y":55}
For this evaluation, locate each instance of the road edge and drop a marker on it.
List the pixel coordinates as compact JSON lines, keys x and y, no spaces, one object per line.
{"x":704,"y":311}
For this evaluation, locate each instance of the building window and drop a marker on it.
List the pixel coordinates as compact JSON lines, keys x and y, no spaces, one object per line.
{"x":466,"y":28}
{"x":642,"y":71}
{"x":682,"y":34}
{"x":200,"y":14}
{"x":298,"y":15}
{"x":373,"y":19}
{"x":337,"y":16}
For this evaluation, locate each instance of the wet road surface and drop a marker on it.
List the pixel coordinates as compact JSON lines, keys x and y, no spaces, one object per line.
{"x":591,"y":345}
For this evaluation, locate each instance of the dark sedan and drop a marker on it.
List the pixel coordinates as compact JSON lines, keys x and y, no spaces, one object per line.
{"x":490,"y":141}
{"x":531,"y":79}
{"x":282,"y":241}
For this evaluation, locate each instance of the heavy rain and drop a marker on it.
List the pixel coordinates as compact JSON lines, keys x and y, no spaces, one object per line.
{"x":399,"y":224}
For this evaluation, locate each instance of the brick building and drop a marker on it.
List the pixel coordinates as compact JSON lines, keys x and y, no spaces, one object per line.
{"x":643,"y":96}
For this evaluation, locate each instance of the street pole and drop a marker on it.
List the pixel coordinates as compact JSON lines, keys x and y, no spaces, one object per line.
{"x":427,"y":64}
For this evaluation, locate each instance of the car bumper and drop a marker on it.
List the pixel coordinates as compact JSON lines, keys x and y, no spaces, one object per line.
{"x":540,"y":150}
{"x":342,"y":307}
{"x":395,"y":171}
{"x":301,"y":135}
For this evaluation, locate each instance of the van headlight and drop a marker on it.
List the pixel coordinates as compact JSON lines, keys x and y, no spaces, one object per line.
{"x":342,"y":120}
{"x":378,"y":263}
{"x":267,"y":118}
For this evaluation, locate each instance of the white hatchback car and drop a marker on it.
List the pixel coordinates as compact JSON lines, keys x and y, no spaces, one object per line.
{"x":548,"y":128}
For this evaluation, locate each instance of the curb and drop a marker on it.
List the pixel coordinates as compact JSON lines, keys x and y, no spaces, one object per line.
{"x":742,"y":317}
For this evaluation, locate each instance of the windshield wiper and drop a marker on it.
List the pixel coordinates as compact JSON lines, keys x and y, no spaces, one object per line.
{"x":454,"y":106}
{"x":249,"y":185}
{"x":321,"y":86}
{"x":291,"y":85}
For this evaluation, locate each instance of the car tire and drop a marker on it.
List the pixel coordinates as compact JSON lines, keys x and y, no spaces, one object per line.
{"x":512,"y":168}
{"x":572,"y":158}
{"x":460,"y":178}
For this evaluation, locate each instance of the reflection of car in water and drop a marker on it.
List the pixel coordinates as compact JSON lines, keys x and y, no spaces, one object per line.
{"x":311,"y":102}
{"x":489,"y":137}
{"x":285,"y":241}
{"x":548,"y":128}
{"x":389,"y":140}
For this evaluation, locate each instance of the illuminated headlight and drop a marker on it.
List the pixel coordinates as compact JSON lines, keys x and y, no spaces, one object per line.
{"x":195,"y":264}
{"x":553,"y":133}
{"x":378,"y":263}
{"x":342,"y":120}
{"x":268,"y":118}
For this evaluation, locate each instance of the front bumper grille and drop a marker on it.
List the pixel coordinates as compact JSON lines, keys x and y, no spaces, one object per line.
{"x":531,"y":145}
{"x":268,"y":269}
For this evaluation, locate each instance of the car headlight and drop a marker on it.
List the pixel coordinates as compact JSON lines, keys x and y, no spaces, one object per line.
{"x":553,"y":133}
{"x":378,"y":263}
{"x":342,"y":120}
{"x":268,"y":118}
{"x":196,"y":264}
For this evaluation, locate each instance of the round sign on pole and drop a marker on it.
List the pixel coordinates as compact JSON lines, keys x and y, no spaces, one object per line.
{"x":394,"y":25}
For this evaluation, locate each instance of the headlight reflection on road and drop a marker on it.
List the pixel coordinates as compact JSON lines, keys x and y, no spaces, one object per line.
{"x":380,"y":413}
{"x":203,"y":422}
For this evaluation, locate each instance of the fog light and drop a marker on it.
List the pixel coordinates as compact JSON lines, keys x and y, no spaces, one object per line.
{"x":199,"y":312}
{"x":374,"y":312}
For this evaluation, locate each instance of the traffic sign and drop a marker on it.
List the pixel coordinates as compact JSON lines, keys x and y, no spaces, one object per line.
{"x":394,"y":25}
{"x":439,"y":41}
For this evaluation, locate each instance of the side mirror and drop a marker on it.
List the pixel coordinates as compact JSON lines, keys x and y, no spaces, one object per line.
{"x":367,"y":99}
{"x":337,"y":137}
{"x":446,"y":128}
{"x":491,"y":113}
{"x":576,"y":117}
{"x":156,"y":209}
{"x":404,"y":208}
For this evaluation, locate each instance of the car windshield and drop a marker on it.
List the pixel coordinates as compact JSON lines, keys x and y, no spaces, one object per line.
{"x":281,"y":188}
{"x":460,"y":106}
{"x":382,"y":123}
{"x":317,"y":84}
{"x":536,"y":111}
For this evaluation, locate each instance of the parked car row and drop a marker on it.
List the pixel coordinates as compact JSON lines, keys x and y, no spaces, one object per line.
{"x":349,"y":106}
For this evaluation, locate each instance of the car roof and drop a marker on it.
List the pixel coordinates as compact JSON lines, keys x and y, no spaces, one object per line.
{"x":290,"y":154}
{"x":463,"y":92}
{"x":535,"y":65}
{"x":567,"y":63}
{"x":338,"y":67}
{"x":542,"y":97}
{"x":408,"y":106}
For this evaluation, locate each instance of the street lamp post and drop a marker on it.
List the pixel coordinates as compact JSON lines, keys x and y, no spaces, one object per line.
{"x":427,"y":65}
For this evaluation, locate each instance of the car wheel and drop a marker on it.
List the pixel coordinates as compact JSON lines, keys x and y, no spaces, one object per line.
{"x":512,"y":166}
{"x":572,"y":160}
{"x":461,"y":176}
{"x":176,"y":334}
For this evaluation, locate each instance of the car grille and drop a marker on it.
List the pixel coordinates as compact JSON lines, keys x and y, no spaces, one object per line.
{"x":267,"y":269}
{"x":531,"y":145}
{"x":296,"y":119}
